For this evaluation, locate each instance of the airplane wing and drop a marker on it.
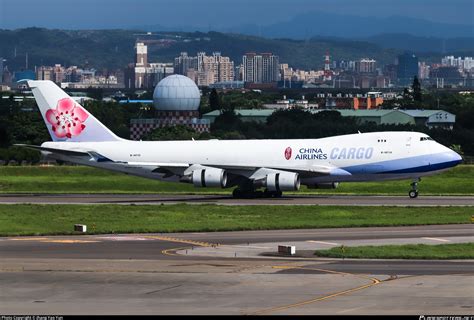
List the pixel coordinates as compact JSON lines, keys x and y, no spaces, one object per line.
{"x":97,"y":157}
{"x":254,"y":172}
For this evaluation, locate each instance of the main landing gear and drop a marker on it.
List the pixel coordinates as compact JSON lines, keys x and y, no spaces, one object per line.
{"x":239,"y":193}
{"x":414,"y":189}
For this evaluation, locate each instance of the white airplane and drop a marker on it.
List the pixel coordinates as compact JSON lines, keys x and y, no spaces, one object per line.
{"x":274,"y":165}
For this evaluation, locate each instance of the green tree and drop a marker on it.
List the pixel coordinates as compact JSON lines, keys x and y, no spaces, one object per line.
{"x":227,"y":121}
{"x":416,"y":86}
{"x":214,"y":100}
{"x":178,"y":132}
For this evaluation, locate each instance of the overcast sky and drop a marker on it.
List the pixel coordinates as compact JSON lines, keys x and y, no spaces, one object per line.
{"x":89,"y":14}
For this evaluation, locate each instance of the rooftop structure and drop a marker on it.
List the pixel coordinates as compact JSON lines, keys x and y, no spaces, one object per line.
{"x":176,"y":93}
{"x":429,"y":118}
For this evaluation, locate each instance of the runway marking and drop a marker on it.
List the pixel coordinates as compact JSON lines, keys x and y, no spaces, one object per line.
{"x":49,"y":240}
{"x":172,"y":239}
{"x":436,"y":239}
{"x":350,"y":310}
{"x":323,"y":242}
{"x":374,"y":282}
{"x":27,"y":239}
{"x":252,"y":247}
{"x":125,"y":238}
{"x":171,"y":252}
{"x":68,"y":241}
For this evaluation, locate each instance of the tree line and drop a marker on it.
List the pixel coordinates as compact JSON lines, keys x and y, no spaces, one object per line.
{"x":21,"y":123}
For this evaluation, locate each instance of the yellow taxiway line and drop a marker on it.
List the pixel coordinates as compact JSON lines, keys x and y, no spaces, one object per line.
{"x":374,"y":282}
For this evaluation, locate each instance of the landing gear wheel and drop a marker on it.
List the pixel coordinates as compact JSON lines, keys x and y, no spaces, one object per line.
{"x":413,"y":194}
{"x":237,"y":193}
{"x":272,"y":194}
{"x":414,"y":189}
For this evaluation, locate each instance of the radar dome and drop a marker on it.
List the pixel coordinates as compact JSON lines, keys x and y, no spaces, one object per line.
{"x":176,"y":93}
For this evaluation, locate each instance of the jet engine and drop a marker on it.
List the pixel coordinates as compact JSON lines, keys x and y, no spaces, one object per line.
{"x":282,"y":181}
{"x":209,"y":177}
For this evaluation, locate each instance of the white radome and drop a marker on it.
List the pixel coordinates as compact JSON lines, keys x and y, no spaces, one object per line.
{"x":176,"y":93}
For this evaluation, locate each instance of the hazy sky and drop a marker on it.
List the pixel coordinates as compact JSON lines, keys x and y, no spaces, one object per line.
{"x":84,"y":14}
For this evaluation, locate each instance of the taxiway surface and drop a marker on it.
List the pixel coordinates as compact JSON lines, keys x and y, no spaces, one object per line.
{"x":144,"y":274}
{"x":227,"y":200}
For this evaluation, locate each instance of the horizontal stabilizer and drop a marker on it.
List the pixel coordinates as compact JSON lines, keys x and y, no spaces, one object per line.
{"x":73,"y":153}
{"x":94,"y":156}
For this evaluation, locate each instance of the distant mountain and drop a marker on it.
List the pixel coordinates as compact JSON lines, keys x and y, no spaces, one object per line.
{"x":324,"y":24}
{"x":113,"y":49}
{"x":422,"y":44}
{"x":311,"y":24}
{"x":104,"y":48}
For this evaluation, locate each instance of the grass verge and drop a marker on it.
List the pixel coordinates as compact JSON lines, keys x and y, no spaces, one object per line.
{"x":77,"y":179}
{"x":408,"y":251}
{"x":34,"y":219}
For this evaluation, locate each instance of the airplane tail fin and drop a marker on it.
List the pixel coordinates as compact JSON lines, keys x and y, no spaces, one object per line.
{"x":65,"y":119}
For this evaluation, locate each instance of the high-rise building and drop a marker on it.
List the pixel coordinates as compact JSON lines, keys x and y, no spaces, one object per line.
{"x":271,"y":68}
{"x":141,"y":55}
{"x":129,"y":76}
{"x":141,"y":63}
{"x":7,"y":76}
{"x":205,"y":70}
{"x":1,"y":70}
{"x":407,"y":68}
{"x":157,"y":72}
{"x":44,"y":73}
{"x":56,"y":73}
{"x":249,"y":67}
{"x":225,"y":68}
{"x":59,"y":73}
{"x":463,"y":64}
{"x":184,"y":62}
{"x":366,"y":65}
{"x":423,"y":70}
{"x":261,"y":68}
{"x":146,"y":74}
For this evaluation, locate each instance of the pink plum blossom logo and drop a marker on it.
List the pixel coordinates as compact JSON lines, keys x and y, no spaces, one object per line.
{"x":67,"y":120}
{"x":288,"y":153}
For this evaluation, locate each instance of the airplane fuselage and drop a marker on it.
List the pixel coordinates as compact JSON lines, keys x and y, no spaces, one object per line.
{"x":355,"y":157}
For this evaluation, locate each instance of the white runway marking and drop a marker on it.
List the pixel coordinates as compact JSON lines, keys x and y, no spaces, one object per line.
{"x":254,"y":247}
{"x":436,"y":239}
{"x":322,"y":242}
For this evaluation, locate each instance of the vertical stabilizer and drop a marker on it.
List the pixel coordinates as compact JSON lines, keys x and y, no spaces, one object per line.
{"x":65,"y":119}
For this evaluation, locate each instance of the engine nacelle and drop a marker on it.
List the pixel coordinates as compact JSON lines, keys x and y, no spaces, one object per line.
{"x":324,"y":185}
{"x":209,"y":177}
{"x":283,"y":181}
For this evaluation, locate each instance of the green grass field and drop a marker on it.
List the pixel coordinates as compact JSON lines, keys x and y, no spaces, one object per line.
{"x":73,"y":179}
{"x":408,"y":251}
{"x":24,"y":219}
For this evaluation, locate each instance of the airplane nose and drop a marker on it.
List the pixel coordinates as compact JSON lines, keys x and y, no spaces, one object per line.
{"x":456,"y":157}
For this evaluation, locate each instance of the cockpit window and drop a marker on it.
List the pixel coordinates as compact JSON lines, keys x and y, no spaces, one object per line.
{"x":426,"y":139}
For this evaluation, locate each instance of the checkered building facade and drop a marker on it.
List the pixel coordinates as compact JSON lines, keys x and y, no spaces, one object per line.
{"x":139,"y":127}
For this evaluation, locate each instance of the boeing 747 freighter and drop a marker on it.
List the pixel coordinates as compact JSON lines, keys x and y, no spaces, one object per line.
{"x":272,"y":165}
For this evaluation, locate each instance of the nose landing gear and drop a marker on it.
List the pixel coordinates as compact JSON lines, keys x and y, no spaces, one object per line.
{"x":413,"y":193}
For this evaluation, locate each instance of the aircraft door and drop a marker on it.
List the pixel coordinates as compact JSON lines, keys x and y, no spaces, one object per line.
{"x":408,"y":144}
